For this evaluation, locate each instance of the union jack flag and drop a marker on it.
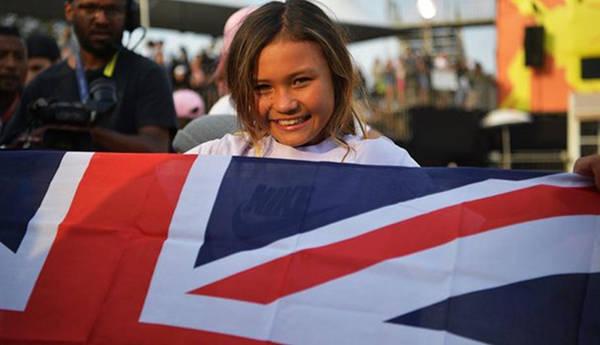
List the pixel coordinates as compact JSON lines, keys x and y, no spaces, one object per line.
{"x":179,"y":249}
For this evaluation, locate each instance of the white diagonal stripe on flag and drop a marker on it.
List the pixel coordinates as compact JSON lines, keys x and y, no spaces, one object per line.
{"x":19,"y":271}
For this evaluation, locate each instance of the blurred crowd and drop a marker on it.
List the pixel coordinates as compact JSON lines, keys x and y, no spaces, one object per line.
{"x":193,"y":76}
{"x":421,"y":79}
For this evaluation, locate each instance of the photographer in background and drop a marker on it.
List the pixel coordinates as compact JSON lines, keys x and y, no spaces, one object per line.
{"x":13,"y":69}
{"x":103,"y":98}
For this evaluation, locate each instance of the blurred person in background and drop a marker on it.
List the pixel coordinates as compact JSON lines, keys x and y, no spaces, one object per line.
{"x":423,"y":68}
{"x":400,"y":81}
{"x":389,"y":79}
{"x":463,"y":84}
{"x":115,"y":99}
{"x":180,"y":70}
{"x":198,"y":78}
{"x":156,"y":52}
{"x":411,"y":76}
{"x":180,"y":77}
{"x":13,"y":71}
{"x":42,"y":52}
{"x":202,"y":79}
{"x":482,"y":88}
{"x":188,"y":106}
{"x":378,"y":72}
{"x":224,"y":105}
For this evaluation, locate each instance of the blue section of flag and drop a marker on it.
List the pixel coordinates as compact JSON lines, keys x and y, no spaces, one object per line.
{"x":589,"y":328}
{"x":549,"y":310}
{"x":263,"y":200}
{"x":24,"y":180}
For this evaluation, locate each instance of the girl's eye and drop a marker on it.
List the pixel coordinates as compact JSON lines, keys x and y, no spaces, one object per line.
{"x":301,"y":81}
{"x":262,"y":88}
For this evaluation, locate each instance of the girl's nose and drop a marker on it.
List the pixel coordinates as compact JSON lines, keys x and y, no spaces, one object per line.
{"x":285,"y":102}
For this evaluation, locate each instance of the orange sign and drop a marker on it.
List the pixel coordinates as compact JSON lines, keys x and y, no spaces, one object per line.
{"x":572,"y":32}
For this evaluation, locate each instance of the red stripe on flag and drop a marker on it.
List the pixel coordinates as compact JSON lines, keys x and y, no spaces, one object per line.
{"x":92,"y":287}
{"x":308,"y":268}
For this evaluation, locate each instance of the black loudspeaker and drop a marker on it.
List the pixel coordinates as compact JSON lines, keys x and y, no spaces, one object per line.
{"x":534,"y":46}
{"x":590,"y":68}
{"x":132,"y":15}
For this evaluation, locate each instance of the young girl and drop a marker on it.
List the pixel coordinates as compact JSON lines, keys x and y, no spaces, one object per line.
{"x":291,"y":79}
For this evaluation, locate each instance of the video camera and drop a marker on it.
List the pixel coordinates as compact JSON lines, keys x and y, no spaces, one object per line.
{"x":68,"y":122}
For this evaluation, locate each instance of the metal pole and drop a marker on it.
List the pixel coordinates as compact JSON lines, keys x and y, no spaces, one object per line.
{"x":145,"y":13}
{"x":506,"y":150}
{"x":573,"y":133}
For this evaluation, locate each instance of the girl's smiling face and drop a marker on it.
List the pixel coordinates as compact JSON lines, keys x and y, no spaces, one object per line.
{"x":294,"y":91}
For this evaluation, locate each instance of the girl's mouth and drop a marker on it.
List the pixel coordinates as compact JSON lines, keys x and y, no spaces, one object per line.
{"x":292,"y":122}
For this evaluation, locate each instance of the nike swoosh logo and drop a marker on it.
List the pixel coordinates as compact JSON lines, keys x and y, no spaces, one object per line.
{"x":250,"y":226}
{"x":270,"y":214}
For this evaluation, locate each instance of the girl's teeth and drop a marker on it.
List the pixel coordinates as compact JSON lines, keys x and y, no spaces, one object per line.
{"x":290,"y":122}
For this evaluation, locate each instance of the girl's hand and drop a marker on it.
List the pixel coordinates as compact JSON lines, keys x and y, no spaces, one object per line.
{"x":589,"y":166}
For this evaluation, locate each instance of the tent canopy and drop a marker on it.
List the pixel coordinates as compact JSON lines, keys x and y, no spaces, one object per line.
{"x":202,"y":18}
{"x":196,"y":17}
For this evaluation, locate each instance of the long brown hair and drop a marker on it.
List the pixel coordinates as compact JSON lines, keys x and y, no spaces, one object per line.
{"x":297,"y":20}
